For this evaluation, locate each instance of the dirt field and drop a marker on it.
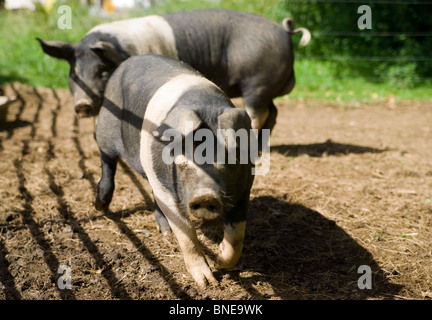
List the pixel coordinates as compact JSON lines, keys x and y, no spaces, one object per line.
{"x":348,"y":186}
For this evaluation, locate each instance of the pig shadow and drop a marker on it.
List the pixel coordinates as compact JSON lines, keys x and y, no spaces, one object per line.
{"x":320,"y":149}
{"x":303,"y":255}
{"x":293,"y":252}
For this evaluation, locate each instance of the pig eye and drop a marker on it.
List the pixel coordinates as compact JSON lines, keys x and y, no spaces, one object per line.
{"x":101,"y":72}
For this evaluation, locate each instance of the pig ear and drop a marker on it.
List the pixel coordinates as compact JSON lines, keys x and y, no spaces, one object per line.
{"x":107,"y":51}
{"x":58,"y":49}
{"x":235,"y":118}
{"x":183,"y":120}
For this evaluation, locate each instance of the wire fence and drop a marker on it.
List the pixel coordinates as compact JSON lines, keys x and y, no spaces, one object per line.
{"x":418,"y":2}
{"x":363,"y":58}
{"x":346,"y":60}
{"x":372,"y":34}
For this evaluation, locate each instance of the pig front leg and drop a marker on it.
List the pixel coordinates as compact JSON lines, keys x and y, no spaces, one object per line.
{"x":106,"y":183}
{"x":185,"y":233}
{"x":194,"y":258}
{"x":231,"y":247}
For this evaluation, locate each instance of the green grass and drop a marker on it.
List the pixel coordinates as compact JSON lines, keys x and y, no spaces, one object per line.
{"x":21,"y":58}
{"x":316,"y":80}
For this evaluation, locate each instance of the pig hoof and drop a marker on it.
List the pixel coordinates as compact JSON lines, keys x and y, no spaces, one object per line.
{"x":164,"y":229}
{"x":101,"y":205}
{"x":202,"y":275}
{"x":228,"y":256}
{"x":224,"y":264}
{"x":205,"y":278}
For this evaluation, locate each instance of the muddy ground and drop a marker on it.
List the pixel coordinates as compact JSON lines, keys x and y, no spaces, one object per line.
{"x":348,"y":186}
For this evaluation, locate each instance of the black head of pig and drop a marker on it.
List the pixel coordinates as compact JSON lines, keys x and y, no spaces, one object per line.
{"x":206,"y":190}
{"x":92,"y":61}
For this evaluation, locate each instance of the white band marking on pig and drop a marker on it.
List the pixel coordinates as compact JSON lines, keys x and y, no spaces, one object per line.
{"x":151,"y":34}
{"x":157,"y":110}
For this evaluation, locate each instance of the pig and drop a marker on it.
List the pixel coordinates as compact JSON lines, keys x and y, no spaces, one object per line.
{"x":147,"y":96}
{"x":246,"y":55}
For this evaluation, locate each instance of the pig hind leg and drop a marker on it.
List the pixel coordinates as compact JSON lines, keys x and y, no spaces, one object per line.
{"x":161,"y":221}
{"x":106,"y":183}
{"x":259,"y":106}
{"x":262,"y":112}
{"x":271,"y":118}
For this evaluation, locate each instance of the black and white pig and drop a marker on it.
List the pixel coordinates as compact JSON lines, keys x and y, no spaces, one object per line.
{"x":244,"y":54}
{"x":147,"y":96}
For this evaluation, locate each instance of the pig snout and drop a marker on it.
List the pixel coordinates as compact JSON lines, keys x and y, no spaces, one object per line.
{"x":205,"y":204}
{"x":84,"y":109}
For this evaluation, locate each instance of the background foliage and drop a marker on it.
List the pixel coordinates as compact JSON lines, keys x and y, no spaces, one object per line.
{"x":397,"y":49}
{"x":341,"y":63}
